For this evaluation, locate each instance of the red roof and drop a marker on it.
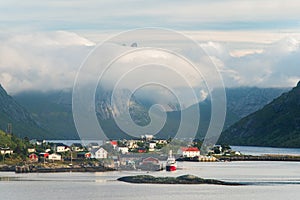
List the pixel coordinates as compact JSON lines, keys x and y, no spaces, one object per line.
{"x":150,"y":160}
{"x":190,"y":149}
{"x":45,"y":155}
{"x":114,"y":143}
{"x":87,"y":155}
{"x":33,"y":156}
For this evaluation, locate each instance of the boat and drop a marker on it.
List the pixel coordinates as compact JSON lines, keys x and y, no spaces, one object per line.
{"x":171,"y":164}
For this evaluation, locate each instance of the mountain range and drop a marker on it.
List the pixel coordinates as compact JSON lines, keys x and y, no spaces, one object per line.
{"x":53,"y":110}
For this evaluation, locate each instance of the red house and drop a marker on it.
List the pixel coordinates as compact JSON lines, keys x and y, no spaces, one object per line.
{"x":114,"y":143}
{"x":44,"y":155}
{"x":33,"y":157}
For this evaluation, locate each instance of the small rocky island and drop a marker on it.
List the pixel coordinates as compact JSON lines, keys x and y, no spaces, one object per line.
{"x":185,"y":179}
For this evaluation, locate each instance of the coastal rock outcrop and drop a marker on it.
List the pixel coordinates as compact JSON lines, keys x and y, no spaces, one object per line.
{"x":184,"y":179}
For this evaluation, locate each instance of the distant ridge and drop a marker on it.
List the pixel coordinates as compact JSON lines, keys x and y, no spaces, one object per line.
{"x":277,"y":124}
{"x":53,"y":110}
{"x":23,"y":125}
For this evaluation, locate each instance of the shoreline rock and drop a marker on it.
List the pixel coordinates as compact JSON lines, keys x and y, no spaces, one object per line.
{"x":185,"y":179}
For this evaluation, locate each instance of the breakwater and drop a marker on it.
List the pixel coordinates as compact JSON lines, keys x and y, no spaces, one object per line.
{"x":260,"y":158}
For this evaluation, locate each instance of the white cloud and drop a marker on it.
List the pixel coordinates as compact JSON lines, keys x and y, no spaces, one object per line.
{"x":50,"y":60}
{"x":41,"y":61}
{"x":245,"y":52}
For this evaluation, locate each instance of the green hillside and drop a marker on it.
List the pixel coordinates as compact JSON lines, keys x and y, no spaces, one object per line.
{"x":23,"y":125}
{"x":276,"y":125}
{"x":18,"y":145}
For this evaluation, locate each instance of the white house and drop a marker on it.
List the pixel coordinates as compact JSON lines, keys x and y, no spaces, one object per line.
{"x":6,"y":150}
{"x":77,"y":147}
{"x":152,"y":145}
{"x":189,"y":152}
{"x":132,"y":144}
{"x":60,"y":147}
{"x":99,"y":153}
{"x":54,"y":157}
{"x":123,"y":150}
{"x":31,"y":150}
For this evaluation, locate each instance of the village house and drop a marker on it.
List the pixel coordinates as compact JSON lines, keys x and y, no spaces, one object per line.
{"x":131,"y":144}
{"x":6,"y":150}
{"x":123,"y":150}
{"x":44,"y":155}
{"x":114,"y":144}
{"x":189,"y":152}
{"x":31,"y":150}
{"x":33,"y":157}
{"x":161,"y":141}
{"x":77,"y":147}
{"x":99,"y":153}
{"x":60,"y":147}
{"x":55,"y":157}
{"x":152,"y":145}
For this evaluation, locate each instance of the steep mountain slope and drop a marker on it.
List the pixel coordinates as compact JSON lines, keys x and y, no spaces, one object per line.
{"x":23,"y":125}
{"x":52,"y":110}
{"x":277,"y":124}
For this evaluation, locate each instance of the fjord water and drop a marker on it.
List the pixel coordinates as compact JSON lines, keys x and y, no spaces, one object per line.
{"x":268,"y":180}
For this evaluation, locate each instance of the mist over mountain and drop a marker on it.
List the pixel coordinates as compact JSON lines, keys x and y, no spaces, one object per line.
{"x":53,"y":110}
{"x":277,"y":124}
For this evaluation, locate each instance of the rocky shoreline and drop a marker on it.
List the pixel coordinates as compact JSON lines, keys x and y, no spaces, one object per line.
{"x":185,"y":179}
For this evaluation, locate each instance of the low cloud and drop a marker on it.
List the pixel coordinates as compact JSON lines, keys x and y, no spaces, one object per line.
{"x":275,"y":65}
{"x":41,"y":61}
{"x":50,"y":60}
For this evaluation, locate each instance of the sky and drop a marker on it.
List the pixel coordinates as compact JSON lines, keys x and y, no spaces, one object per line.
{"x":252,"y":42}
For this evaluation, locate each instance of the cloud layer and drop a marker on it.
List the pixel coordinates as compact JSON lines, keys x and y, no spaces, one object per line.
{"x":50,"y":60}
{"x":41,"y":61}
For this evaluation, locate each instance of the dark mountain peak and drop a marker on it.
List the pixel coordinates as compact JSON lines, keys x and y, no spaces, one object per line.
{"x":298,"y":85}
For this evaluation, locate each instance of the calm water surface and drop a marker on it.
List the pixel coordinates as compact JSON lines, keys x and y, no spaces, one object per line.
{"x":270,"y":180}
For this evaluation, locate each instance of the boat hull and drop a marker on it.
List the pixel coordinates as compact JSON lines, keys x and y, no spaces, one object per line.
{"x":171,"y":168}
